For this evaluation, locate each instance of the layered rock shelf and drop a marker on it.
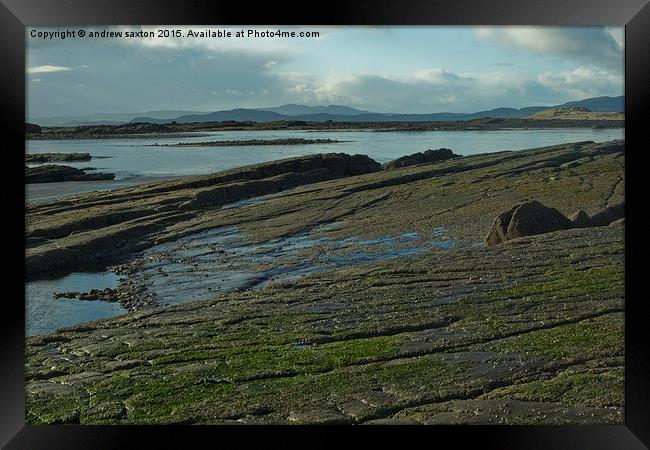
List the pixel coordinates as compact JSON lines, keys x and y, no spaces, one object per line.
{"x":530,"y":331}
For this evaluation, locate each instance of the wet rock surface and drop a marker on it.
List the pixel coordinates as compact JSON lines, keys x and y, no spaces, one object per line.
{"x":535,"y":336}
{"x":126,"y":218}
{"x":219,"y":261}
{"x":529,"y":331}
{"x":460,"y":194}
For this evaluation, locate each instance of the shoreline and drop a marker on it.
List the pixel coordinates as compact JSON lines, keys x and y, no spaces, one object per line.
{"x":174,"y":130}
{"x":158,"y":205}
{"x":46,"y":192}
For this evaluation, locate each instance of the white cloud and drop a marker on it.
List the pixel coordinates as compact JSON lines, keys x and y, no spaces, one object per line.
{"x":592,"y":46}
{"x":437,"y":90}
{"x":582,"y":82}
{"x":47,"y":69}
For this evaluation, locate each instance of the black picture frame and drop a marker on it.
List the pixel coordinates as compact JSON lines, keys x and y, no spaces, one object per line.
{"x":633,"y":14}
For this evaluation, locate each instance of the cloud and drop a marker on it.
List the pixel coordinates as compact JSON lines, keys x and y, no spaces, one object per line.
{"x":47,"y":69}
{"x":136,"y":79}
{"x":582,"y":82}
{"x":591,"y":46}
{"x":212,"y":74}
{"x":437,"y":89}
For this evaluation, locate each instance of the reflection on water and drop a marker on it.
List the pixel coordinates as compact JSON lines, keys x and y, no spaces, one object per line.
{"x":44,"y":313}
{"x":219,"y":261}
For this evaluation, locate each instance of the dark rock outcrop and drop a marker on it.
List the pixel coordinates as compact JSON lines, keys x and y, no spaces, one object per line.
{"x":428,"y":156}
{"x":52,"y":157}
{"x":52,"y":173}
{"x":32,"y":128}
{"x":285,"y":174}
{"x":608,"y":215}
{"x":526,"y":219}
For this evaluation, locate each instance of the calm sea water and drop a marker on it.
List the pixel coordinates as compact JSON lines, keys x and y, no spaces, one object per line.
{"x":44,"y":313}
{"x":135,"y":161}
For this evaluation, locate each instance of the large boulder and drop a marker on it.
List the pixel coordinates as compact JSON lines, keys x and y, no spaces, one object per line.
{"x":608,"y":215}
{"x":499,"y":230}
{"x":526,"y":219}
{"x":428,"y":156}
{"x":580,"y":219}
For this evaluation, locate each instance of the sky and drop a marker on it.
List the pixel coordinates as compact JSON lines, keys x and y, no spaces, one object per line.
{"x":381,"y":69}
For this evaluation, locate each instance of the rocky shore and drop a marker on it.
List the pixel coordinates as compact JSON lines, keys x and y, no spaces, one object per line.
{"x":529,"y":331}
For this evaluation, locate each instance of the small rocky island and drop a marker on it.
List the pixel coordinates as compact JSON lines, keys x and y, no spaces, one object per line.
{"x":56,"y":157}
{"x":53,"y":173}
{"x":251,"y":142}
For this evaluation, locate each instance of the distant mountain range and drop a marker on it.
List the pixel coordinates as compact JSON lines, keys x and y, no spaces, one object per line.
{"x":335,"y":113}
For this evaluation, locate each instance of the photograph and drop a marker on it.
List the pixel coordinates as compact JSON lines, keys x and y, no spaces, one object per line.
{"x":270,"y":225}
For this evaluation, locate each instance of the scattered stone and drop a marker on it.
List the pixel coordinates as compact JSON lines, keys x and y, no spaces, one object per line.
{"x":107,"y":295}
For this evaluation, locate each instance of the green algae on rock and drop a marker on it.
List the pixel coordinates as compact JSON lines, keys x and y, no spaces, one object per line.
{"x":526,"y":332}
